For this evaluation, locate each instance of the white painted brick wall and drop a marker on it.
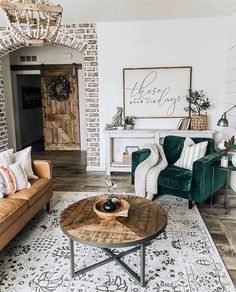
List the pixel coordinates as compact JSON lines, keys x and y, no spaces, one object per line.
{"x":83,"y":38}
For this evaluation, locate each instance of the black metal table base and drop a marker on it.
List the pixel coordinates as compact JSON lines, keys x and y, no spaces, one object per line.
{"x":113,"y":257}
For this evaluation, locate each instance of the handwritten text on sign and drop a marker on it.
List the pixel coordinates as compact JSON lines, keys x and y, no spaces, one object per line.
{"x":156,"y":92}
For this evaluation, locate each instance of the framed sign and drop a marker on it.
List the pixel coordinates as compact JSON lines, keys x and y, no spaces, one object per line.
{"x":156,"y":92}
{"x":130,"y":149}
{"x":31,"y":97}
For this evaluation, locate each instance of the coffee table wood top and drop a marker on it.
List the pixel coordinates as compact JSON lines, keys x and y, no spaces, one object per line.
{"x":145,"y":221}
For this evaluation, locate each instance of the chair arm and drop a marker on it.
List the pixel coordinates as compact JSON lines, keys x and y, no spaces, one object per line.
{"x":207,"y":160}
{"x":137,"y":158}
{"x":42,"y":168}
{"x":202,"y":177}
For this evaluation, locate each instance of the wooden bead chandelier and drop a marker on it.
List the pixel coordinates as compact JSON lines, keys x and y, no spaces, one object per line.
{"x":33,"y":21}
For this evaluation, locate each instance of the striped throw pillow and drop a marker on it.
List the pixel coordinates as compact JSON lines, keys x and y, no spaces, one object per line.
{"x":7,"y":182}
{"x":20,"y":176}
{"x":190,"y":153}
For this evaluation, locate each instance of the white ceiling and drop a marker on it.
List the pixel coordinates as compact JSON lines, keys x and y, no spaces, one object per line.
{"x":76,"y":11}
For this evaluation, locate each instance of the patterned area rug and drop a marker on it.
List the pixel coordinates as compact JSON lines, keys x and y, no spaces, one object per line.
{"x":182,"y":259}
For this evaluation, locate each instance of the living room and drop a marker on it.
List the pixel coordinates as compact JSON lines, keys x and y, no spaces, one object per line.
{"x":103,"y":49}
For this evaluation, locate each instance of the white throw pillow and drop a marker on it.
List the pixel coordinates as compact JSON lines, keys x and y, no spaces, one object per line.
{"x":20,"y":176}
{"x":24,"y":156}
{"x":190,"y":153}
{"x":6,"y":157}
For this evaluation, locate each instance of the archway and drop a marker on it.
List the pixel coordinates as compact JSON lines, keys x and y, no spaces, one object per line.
{"x":81,"y":37}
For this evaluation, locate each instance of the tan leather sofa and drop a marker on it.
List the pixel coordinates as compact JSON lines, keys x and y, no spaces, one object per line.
{"x":18,"y":209}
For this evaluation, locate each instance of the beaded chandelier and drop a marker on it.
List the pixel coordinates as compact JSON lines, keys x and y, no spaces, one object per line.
{"x":33,"y":21}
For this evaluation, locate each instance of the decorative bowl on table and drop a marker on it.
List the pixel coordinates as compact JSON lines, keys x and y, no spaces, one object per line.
{"x":122,"y":208}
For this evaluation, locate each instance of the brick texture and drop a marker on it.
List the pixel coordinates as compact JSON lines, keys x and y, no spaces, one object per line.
{"x":81,"y":37}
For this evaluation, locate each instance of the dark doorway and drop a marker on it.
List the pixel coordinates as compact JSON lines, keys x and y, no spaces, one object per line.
{"x":28,"y":105}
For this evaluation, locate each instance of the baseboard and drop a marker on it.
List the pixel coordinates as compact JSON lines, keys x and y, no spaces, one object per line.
{"x":95,"y":168}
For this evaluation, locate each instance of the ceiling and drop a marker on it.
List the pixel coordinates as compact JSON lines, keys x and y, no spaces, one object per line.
{"x":76,"y":11}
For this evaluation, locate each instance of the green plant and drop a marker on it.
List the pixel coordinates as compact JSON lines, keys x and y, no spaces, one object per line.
{"x":198,"y":102}
{"x":230,"y":143}
{"x":129,"y":120}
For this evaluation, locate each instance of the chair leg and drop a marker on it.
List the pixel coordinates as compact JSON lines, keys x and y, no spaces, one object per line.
{"x":190,"y":204}
{"x":48,"y":206}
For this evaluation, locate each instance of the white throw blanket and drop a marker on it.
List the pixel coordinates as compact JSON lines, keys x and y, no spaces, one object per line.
{"x":147,"y":172}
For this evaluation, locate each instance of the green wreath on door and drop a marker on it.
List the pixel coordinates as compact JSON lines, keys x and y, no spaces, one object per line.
{"x":58,"y":88}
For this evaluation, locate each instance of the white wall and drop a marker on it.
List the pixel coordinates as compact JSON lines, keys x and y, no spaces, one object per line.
{"x":54,"y":54}
{"x":199,"y":43}
{"x":47,"y":54}
{"x":230,"y":86}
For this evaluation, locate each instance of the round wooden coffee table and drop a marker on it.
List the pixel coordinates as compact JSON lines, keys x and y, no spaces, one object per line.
{"x":145,"y":221}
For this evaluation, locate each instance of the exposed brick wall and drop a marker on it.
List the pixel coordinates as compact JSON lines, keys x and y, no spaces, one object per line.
{"x":83,"y":38}
{"x":3,"y":124}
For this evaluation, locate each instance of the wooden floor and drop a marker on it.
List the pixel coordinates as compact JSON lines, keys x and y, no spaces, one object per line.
{"x":69,"y":174}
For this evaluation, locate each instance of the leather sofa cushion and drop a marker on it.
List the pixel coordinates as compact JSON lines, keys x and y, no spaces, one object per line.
{"x":10,"y":211}
{"x":38,"y":188}
{"x":176,"y":178}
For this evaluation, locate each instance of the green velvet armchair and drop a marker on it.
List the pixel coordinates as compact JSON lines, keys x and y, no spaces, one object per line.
{"x":195,"y":185}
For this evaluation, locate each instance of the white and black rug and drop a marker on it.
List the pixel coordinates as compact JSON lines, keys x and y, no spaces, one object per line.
{"x":182,"y":259}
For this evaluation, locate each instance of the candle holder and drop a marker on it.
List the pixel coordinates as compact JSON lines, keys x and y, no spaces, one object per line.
{"x":224,"y":161}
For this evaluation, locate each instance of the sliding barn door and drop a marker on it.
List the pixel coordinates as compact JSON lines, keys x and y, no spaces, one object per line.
{"x":59,"y":85}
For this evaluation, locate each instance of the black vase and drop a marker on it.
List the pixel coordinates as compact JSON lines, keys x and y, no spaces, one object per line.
{"x":109,"y":206}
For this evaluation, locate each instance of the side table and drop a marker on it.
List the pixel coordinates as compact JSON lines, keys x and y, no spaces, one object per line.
{"x":228,"y":170}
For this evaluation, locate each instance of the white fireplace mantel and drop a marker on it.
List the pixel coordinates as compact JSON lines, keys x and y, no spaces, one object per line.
{"x":155,"y":136}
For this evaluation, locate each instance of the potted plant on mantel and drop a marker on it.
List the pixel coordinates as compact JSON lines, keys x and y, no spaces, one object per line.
{"x":198,"y":106}
{"x":129,"y":122}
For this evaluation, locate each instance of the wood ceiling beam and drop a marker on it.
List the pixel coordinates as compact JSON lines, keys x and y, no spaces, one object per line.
{"x":39,"y":67}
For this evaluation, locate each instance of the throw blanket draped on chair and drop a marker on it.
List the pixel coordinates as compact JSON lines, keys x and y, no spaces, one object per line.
{"x":147,"y":172}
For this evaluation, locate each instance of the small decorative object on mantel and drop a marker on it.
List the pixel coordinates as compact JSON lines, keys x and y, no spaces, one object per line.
{"x":129,"y":122}
{"x":184,"y":124}
{"x":120,"y":128}
{"x":116,"y":120}
{"x":198,"y":103}
{"x":58,"y":88}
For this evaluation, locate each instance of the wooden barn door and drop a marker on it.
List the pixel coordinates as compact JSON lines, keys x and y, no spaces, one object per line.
{"x":59,"y":85}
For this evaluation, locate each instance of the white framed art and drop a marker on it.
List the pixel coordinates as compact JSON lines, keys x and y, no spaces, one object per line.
{"x":158,"y":92}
